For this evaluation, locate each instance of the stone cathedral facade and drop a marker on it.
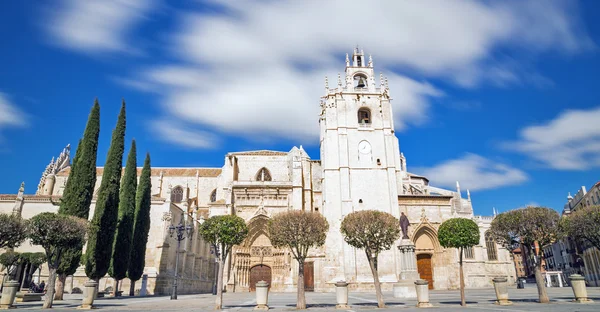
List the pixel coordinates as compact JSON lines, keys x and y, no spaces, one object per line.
{"x":361,"y":168}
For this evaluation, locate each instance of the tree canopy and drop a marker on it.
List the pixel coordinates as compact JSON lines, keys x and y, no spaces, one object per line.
{"x":458,"y":232}
{"x":299,"y":231}
{"x":374,"y":231}
{"x":583,"y":224}
{"x":13,"y":230}
{"x":9,"y":260}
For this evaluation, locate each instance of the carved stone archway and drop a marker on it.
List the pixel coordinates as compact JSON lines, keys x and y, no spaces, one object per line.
{"x":257,"y":250}
{"x":427,"y":250}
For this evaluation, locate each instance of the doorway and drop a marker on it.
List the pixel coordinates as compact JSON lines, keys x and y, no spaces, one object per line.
{"x":309,"y":276}
{"x":424,"y":268}
{"x":259,"y":273}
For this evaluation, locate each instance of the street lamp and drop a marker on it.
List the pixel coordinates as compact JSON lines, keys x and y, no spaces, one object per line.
{"x":181,"y":231}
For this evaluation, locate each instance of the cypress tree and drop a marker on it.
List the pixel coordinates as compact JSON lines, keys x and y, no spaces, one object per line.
{"x":122,"y":243}
{"x":104,"y":221}
{"x":79,"y":192}
{"x":141,"y":226}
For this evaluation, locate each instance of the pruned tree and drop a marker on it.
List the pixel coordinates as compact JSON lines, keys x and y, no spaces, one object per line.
{"x":10,"y":260}
{"x":533,"y":227}
{"x":33,"y":260}
{"x":79,"y":191}
{"x":583,"y":224}
{"x":141,"y":226}
{"x":459,"y":233}
{"x":104,"y":221}
{"x":123,"y":237}
{"x":223,"y":232}
{"x":13,"y":230}
{"x":299,"y":231}
{"x":55,"y":233}
{"x":374,"y":232}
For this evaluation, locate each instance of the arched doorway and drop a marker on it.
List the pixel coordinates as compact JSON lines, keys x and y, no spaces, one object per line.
{"x":259,"y":273}
{"x":424,"y":268}
{"x":427,"y":248}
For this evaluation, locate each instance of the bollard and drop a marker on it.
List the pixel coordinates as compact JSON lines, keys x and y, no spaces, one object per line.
{"x":89,"y":294}
{"x":341,"y":295}
{"x":422,"y":287}
{"x":262,"y":295}
{"x":579,"y":290}
{"x":501,"y":287}
{"x":8,"y":295}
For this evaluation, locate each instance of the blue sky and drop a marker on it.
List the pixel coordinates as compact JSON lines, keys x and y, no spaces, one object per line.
{"x":500,"y":95}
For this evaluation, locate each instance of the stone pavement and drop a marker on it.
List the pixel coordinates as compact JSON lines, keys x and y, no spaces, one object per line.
{"x":477,"y":300}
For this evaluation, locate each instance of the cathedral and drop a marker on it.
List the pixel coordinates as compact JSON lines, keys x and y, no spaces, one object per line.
{"x":361,"y":167}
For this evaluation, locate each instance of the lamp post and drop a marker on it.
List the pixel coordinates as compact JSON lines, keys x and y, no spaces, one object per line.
{"x":181,"y":231}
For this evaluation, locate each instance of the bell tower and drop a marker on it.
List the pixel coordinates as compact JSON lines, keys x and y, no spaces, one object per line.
{"x":360,"y":159}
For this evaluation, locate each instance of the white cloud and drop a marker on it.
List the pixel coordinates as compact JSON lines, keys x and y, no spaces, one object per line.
{"x":256,"y":68}
{"x":10,"y":115}
{"x":178,"y":133}
{"x":96,"y":26}
{"x":474,"y":172}
{"x":571,"y":141}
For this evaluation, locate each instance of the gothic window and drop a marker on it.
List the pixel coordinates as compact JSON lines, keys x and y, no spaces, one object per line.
{"x":213,"y":196}
{"x":469,"y":253}
{"x":364,"y":116}
{"x":177,"y":194}
{"x":492,"y":251}
{"x":263,"y":175}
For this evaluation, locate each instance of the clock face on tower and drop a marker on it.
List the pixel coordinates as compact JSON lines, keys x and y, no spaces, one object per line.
{"x":364,"y":147}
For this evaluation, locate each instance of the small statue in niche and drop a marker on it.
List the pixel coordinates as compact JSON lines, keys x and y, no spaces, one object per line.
{"x":404,"y":223}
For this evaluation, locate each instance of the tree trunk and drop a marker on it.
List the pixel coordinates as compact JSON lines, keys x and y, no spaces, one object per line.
{"x":132,"y":288}
{"x":116,"y":288}
{"x":463,"y":302}
{"x":380,"y":303}
{"x":541,"y":285}
{"x":60,"y":287}
{"x":25,"y":274}
{"x":50,"y":290}
{"x":219,"y":300}
{"x":301,"y":300}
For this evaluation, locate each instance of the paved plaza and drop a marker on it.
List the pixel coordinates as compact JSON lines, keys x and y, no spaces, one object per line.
{"x":477,"y":300}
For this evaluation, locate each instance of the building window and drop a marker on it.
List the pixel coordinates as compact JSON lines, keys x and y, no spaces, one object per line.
{"x":492,"y":251}
{"x":213,"y":196}
{"x":177,"y":194}
{"x":263,"y":175}
{"x":364,"y":116}
{"x":469,"y":253}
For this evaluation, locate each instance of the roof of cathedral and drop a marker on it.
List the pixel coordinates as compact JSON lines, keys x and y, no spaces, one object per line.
{"x":167,"y":172}
{"x":260,"y":153}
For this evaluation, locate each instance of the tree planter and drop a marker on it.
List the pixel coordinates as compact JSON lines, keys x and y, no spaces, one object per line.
{"x":262,"y":295}
{"x":9,"y":292}
{"x":89,"y":294}
{"x":341,"y":295}
{"x":501,"y":287}
{"x":579,"y":290}
{"x":422,"y":287}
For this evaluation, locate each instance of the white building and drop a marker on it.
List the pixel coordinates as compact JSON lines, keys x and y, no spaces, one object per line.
{"x":361,"y":168}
